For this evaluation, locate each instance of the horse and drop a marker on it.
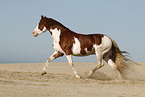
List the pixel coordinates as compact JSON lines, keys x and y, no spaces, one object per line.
{"x":69,"y":43}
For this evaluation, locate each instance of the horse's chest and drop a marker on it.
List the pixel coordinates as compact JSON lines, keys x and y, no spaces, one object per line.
{"x":56,"y":39}
{"x":57,"y":47}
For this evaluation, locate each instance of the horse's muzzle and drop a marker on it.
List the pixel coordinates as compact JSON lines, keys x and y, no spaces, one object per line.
{"x":35,"y":34}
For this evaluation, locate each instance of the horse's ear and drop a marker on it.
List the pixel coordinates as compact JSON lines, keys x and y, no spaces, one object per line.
{"x":42,"y":16}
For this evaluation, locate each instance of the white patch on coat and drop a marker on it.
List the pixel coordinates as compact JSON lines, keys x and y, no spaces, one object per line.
{"x":38,"y":31}
{"x":76,"y":48}
{"x":56,"y":38}
{"x":105,"y":45}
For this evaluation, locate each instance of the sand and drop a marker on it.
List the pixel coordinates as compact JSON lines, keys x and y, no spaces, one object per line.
{"x":24,"y":80}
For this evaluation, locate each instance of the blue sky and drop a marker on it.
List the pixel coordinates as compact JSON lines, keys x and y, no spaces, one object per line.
{"x":122,"y":20}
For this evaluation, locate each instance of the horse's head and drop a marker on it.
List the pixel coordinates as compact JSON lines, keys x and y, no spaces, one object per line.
{"x":40,"y":28}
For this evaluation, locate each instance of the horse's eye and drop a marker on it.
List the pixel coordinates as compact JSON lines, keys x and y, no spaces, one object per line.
{"x":39,"y":24}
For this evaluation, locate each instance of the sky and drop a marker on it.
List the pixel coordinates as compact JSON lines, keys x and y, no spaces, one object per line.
{"x":122,"y":20}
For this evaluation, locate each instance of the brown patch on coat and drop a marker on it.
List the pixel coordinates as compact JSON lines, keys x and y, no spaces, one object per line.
{"x":87,"y":41}
{"x":66,"y":41}
{"x":98,"y":38}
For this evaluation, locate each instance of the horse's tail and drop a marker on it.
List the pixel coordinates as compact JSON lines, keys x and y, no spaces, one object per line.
{"x":119,"y":59}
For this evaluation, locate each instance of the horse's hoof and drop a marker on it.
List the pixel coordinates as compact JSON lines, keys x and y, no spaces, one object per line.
{"x":82,"y":78}
{"x":79,"y":77}
{"x":43,"y":73}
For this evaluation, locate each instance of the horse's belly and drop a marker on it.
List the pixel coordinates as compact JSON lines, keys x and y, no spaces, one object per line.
{"x":84,"y":54}
{"x":78,"y":51}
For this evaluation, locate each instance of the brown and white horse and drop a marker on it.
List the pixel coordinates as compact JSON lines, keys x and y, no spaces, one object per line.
{"x":70,"y":43}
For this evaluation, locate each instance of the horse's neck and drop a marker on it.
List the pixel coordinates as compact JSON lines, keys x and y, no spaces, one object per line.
{"x":56,"y":34}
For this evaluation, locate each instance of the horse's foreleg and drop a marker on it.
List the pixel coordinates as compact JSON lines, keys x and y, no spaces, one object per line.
{"x":53,"y":56}
{"x":69,"y":58}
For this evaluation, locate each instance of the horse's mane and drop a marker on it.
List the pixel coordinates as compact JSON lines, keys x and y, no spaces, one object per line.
{"x":54,"y":22}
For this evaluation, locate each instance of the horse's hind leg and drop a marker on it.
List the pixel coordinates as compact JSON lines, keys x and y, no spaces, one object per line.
{"x":100,"y":63}
{"x":113,"y":65}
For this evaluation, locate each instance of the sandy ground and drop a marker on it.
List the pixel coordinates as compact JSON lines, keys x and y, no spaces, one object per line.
{"x":24,"y":80}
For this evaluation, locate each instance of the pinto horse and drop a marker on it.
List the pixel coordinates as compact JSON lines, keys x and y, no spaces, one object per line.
{"x":70,"y":43}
